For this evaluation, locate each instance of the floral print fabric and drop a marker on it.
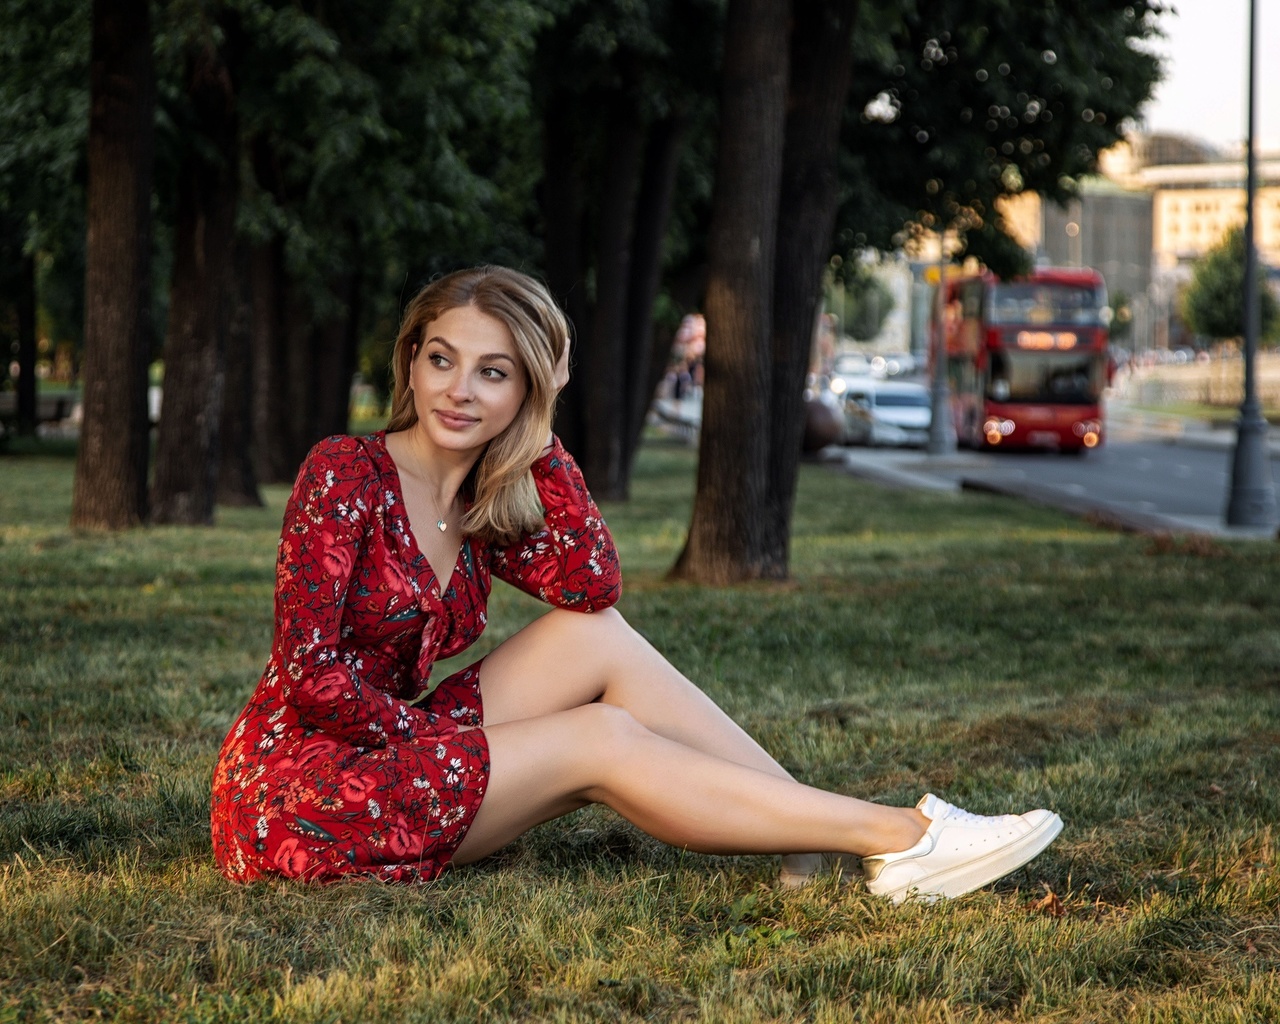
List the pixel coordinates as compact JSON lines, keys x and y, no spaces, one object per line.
{"x":330,"y":769}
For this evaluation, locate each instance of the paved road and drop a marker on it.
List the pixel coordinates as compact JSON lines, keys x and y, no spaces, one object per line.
{"x":1147,"y":476}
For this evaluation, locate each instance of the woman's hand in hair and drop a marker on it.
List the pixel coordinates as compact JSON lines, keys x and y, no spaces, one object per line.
{"x":560,"y":376}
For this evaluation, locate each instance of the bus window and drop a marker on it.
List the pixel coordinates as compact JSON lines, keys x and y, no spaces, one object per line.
{"x":1023,"y":302}
{"x":1046,"y":377}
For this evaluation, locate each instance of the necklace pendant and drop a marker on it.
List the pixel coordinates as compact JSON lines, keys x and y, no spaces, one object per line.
{"x":441,"y":525}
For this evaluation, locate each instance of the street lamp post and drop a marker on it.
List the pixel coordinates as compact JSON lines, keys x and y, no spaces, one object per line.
{"x":1252,"y":501}
{"x":942,"y":435}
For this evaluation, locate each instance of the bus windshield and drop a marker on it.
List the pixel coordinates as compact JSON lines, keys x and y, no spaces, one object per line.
{"x":1031,"y":302}
{"x":1050,"y":378}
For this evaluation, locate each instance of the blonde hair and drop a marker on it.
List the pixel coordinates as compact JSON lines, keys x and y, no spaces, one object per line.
{"x":504,"y":500}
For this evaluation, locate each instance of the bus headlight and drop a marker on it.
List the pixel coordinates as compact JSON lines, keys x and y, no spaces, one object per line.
{"x":1089,"y":432}
{"x":996,"y":430}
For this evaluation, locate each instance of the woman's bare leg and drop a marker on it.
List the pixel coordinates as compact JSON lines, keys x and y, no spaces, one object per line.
{"x":547,"y":766}
{"x":566,"y":659}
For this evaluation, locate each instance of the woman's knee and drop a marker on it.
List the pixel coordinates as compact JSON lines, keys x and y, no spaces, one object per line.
{"x":603,"y":634}
{"x":607,"y":620}
{"x":611,"y":727}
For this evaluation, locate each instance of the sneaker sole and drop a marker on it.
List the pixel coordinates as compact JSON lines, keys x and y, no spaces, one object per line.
{"x":974,"y":874}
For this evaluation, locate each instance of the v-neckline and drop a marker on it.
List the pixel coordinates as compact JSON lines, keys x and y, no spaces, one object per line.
{"x":415,"y":551}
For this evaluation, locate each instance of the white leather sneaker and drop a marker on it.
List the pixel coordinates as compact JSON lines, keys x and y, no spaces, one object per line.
{"x":959,"y":852}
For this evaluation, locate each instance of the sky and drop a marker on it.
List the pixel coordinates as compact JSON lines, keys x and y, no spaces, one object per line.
{"x":1206,"y":81}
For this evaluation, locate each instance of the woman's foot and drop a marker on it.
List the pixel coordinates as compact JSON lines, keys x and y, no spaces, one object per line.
{"x":801,"y":869}
{"x":959,"y":852}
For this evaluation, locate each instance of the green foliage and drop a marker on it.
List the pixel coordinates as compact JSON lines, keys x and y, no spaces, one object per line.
{"x":1213,"y":303}
{"x":957,"y":103}
{"x":1122,"y":322}
{"x":44,"y":121}
{"x":44,"y":114}
{"x":1002,"y":655}
{"x":393,"y":136}
{"x":855,"y":293}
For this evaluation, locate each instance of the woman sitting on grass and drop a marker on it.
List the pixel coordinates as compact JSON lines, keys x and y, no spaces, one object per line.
{"x":384,"y":566}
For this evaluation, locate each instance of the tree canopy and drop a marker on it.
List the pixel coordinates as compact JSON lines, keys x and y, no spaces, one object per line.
{"x":956,"y":103}
{"x":1213,"y":303}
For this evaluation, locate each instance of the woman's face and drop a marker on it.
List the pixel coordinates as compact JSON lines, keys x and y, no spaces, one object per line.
{"x":467,"y":379}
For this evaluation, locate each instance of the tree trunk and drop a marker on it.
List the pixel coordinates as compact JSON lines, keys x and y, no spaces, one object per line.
{"x":821,"y":65}
{"x":725,"y":535}
{"x":26,"y":309}
{"x":237,"y":481}
{"x":605,"y":354}
{"x":337,"y":346}
{"x":646,"y":353}
{"x":110,"y":490}
{"x":187,"y":451}
{"x":562,"y":215}
{"x":297,"y":390}
{"x":272,"y":448}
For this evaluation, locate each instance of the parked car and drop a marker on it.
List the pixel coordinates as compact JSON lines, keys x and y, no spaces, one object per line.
{"x":882,"y":412}
{"x":852,"y":364}
{"x":894,"y":364}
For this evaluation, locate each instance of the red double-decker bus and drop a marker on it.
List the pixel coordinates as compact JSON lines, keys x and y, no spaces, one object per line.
{"x":1027,"y":359}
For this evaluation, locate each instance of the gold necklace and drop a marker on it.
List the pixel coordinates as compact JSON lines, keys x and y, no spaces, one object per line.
{"x":441,"y":525}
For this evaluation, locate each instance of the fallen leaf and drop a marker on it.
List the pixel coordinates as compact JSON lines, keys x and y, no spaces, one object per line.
{"x":1049,"y":904}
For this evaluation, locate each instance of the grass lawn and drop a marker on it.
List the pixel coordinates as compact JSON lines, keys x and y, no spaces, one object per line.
{"x":1005,"y":657}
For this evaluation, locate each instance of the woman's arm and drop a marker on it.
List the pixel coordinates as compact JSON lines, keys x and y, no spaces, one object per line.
{"x":572,"y":561}
{"x":326,"y":523}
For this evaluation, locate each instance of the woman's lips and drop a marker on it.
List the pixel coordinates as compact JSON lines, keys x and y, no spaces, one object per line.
{"x":455,"y":420}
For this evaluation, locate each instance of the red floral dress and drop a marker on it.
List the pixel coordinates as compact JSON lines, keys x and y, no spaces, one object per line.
{"x":330,"y":770}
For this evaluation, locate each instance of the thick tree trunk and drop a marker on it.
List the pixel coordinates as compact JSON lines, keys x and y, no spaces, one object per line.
{"x":110,"y":490}
{"x":604,"y":357}
{"x":821,"y":65}
{"x":646,"y":352}
{"x":297,"y":390}
{"x":237,"y":481}
{"x":337,"y":345}
{"x":26,"y":309}
{"x":725,"y":535}
{"x":562,"y":215}
{"x":273,"y":451}
{"x":187,"y":451}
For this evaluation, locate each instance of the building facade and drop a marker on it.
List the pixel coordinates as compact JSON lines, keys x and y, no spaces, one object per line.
{"x":1159,"y":204}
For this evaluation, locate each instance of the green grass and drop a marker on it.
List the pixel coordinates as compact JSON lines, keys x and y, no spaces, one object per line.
{"x":1217,"y":414}
{"x":1003,"y":656}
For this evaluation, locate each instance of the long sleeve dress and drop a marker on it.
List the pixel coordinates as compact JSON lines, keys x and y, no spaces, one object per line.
{"x":330,"y":770}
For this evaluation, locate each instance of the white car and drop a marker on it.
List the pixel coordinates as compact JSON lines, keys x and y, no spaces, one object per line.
{"x":882,"y":412}
{"x":852,"y":364}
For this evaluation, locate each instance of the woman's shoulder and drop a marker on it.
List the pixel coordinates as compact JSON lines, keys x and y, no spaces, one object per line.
{"x":348,"y":448}
{"x":344,"y":457}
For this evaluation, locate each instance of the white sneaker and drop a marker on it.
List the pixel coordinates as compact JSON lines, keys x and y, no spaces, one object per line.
{"x":959,"y":852}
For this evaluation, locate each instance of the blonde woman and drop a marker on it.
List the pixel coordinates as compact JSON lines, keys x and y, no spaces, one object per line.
{"x":385,"y":563}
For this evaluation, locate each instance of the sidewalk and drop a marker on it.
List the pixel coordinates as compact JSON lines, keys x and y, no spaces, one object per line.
{"x":959,"y":470}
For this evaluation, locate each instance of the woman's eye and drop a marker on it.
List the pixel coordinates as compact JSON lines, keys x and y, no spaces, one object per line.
{"x":493,"y":373}
{"x":437,"y":359}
